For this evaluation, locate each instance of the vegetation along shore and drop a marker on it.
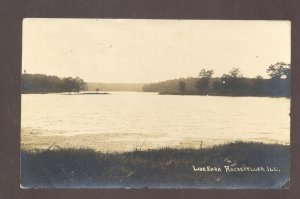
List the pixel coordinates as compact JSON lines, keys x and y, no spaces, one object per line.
{"x":234,"y":165}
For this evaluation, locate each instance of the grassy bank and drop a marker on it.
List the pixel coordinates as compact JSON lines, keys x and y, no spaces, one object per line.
{"x":159,"y":168}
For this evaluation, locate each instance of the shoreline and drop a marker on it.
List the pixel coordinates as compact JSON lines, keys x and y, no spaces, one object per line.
{"x":231,"y":166}
{"x":212,"y":95}
{"x":126,"y":142}
{"x":159,"y":93}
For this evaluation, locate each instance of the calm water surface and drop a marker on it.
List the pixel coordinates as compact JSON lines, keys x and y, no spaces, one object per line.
{"x":163,"y":119}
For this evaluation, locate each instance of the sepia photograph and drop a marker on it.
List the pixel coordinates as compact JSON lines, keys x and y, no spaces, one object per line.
{"x":155,"y":103}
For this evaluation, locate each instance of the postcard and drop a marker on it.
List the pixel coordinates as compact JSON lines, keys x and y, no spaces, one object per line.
{"x":153,"y":103}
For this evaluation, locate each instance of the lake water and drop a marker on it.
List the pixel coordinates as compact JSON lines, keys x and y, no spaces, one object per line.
{"x":161,"y":120}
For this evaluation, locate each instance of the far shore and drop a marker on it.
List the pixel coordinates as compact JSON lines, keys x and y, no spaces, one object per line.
{"x":215,"y":95}
{"x":87,"y":93}
{"x":72,"y":93}
{"x":159,"y":93}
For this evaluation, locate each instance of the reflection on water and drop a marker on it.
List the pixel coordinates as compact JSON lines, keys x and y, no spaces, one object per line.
{"x":163,"y":119}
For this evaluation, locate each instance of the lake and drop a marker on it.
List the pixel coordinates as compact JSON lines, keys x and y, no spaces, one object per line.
{"x":131,"y":120}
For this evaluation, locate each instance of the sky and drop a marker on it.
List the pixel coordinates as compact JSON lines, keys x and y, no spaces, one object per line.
{"x":146,"y":51}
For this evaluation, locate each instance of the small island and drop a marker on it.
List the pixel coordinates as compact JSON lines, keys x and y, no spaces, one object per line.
{"x":93,"y":93}
{"x":44,"y":84}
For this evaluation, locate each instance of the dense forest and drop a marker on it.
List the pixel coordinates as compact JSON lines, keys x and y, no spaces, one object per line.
{"x":231,"y":84}
{"x":38,"y":83}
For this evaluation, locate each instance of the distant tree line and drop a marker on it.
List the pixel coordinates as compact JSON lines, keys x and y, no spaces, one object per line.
{"x":38,"y":83}
{"x":231,"y":84}
{"x":93,"y":86}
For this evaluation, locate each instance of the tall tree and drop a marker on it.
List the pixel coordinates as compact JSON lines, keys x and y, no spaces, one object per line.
{"x":280,"y":70}
{"x":233,"y":73}
{"x":232,"y":83}
{"x":280,"y":78}
{"x":203,"y":83}
{"x":79,"y":84}
{"x":69,"y":84}
{"x":206,"y":73}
